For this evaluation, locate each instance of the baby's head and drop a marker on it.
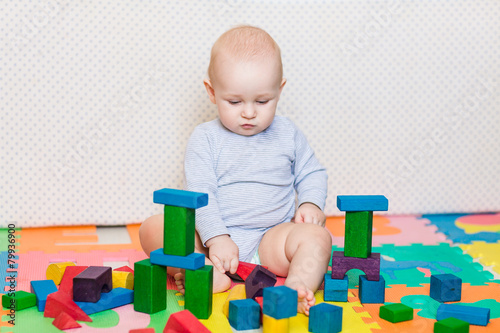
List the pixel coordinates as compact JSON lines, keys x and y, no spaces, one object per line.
{"x":245,"y":79}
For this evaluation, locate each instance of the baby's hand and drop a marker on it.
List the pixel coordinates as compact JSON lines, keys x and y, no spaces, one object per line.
{"x":223,"y":253}
{"x":310,"y":213}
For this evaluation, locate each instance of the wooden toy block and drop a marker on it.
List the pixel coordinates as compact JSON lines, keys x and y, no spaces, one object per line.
{"x":396,"y":312}
{"x":237,"y":292}
{"x":341,"y":264}
{"x":70,"y":272}
{"x":180,"y":198}
{"x":124,"y":269}
{"x":178,"y":230}
{"x":336,"y":290}
{"x":184,"y":321}
{"x":19,"y":299}
{"x":61,"y":302}
{"x":244,"y":314}
{"x":358,"y":234}
{"x":474,"y":315}
{"x":260,"y":300}
{"x":325,"y":318}
{"x":446,"y":287}
{"x":280,"y":302}
{"x":123,"y":280}
{"x":451,"y":325}
{"x":42,"y":289}
{"x":360,"y":203}
{"x":89,"y":284}
{"x":243,"y":271}
{"x":55,"y":271}
{"x":273,"y":325}
{"x":192,"y":261}
{"x":198,"y":295}
{"x":371,"y":291}
{"x":64,"y":321}
{"x":150,"y":295}
{"x":259,"y":279}
{"x":144,"y":330}
{"x":115,"y":298}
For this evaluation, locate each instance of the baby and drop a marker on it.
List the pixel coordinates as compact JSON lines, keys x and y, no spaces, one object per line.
{"x":251,"y":162}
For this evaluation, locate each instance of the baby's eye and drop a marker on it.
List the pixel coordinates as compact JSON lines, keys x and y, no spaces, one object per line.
{"x":233,"y":102}
{"x":262,"y":102}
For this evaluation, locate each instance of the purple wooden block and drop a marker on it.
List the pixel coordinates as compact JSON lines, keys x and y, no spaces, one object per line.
{"x":88,"y":285}
{"x":258,"y":279}
{"x":341,"y":264}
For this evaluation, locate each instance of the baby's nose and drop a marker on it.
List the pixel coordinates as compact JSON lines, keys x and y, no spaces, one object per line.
{"x":248,"y":112}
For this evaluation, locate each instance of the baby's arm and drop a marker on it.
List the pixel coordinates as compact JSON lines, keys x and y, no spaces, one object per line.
{"x":310,"y":213}
{"x":223,"y":253}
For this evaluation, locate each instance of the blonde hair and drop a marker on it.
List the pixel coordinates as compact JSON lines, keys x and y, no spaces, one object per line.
{"x":245,"y":42}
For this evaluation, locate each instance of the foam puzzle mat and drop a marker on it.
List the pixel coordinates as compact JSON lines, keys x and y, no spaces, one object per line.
{"x":411,"y":247}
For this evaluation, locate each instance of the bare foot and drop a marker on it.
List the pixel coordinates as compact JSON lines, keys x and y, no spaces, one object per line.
{"x":305,"y":295}
{"x":222,"y":282}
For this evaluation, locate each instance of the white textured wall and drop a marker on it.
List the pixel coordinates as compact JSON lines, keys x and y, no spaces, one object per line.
{"x":97,"y":100}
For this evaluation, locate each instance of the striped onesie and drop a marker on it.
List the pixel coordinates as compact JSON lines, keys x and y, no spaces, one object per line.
{"x":251,"y":180}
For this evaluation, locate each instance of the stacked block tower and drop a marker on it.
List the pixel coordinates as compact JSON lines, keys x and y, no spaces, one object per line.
{"x":177,"y":251}
{"x":357,"y":252}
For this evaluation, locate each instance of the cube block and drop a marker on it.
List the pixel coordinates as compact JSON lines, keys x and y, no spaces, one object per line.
{"x":371,"y":291}
{"x":280,"y":302}
{"x":358,"y":234}
{"x":244,"y":314}
{"x":451,"y":325}
{"x":396,"y":312}
{"x":336,"y":290}
{"x":273,"y":325}
{"x":446,"y":287}
{"x":325,"y":318}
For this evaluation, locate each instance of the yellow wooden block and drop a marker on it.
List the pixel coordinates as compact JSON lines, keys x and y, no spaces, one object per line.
{"x":56,"y":270}
{"x":237,"y":292}
{"x":123,"y":280}
{"x":271,"y":325}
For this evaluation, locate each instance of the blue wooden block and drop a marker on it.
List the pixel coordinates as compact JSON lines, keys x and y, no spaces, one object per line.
{"x":336,"y":289}
{"x":180,"y":198}
{"x":192,"y":261}
{"x":325,"y":318}
{"x":42,"y":289}
{"x":280,"y":302}
{"x":474,"y":315}
{"x":244,"y":314}
{"x":446,"y":287}
{"x":362,"y":203}
{"x":115,"y":298}
{"x":371,"y":291}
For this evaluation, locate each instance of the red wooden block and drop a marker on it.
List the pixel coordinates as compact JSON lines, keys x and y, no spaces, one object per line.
{"x":259,"y":279}
{"x":260,"y":300}
{"x":124,"y":269}
{"x":185,"y":322}
{"x":64,"y":321}
{"x":67,"y":280}
{"x":143,"y":330}
{"x":61,"y":302}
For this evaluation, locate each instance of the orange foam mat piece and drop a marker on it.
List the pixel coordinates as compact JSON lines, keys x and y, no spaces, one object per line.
{"x":53,"y":239}
{"x":394,"y":293}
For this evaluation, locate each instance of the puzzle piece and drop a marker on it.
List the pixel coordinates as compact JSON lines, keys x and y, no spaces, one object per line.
{"x":488,"y":253}
{"x":447,"y":224}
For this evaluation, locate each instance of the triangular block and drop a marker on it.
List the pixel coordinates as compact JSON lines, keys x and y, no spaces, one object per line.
{"x":61,"y":302}
{"x":64,"y":321}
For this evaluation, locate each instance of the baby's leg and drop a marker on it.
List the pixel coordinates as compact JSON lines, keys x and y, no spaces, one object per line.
{"x":301,"y":252}
{"x":151,"y":236}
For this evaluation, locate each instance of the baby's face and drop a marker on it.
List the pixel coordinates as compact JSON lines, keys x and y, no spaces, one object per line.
{"x":246,"y":94}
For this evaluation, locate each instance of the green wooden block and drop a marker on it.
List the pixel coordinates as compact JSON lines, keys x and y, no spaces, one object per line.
{"x":150,"y":287}
{"x":178,"y":231}
{"x":198,"y":295}
{"x":396,"y":312}
{"x":20,"y":300}
{"x":451,"y":325}
{"x":358,"y":234}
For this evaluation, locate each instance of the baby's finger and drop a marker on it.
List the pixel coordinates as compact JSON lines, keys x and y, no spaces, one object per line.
{"x":227,"y":265}
{"x":217,"y":264}
{"x":234,"y":265}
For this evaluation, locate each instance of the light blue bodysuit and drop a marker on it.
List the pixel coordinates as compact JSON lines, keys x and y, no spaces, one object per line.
{"x":251,"y":180}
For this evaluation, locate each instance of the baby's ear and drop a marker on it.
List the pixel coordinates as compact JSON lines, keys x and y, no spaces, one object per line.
{"x":210,"y":90}
{"x":283,"y":82}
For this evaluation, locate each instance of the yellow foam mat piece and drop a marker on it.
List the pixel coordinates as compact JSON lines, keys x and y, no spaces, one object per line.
{"x":488,"y":253}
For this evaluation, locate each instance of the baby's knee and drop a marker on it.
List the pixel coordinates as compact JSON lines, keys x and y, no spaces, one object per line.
{"x":151,"y":233}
